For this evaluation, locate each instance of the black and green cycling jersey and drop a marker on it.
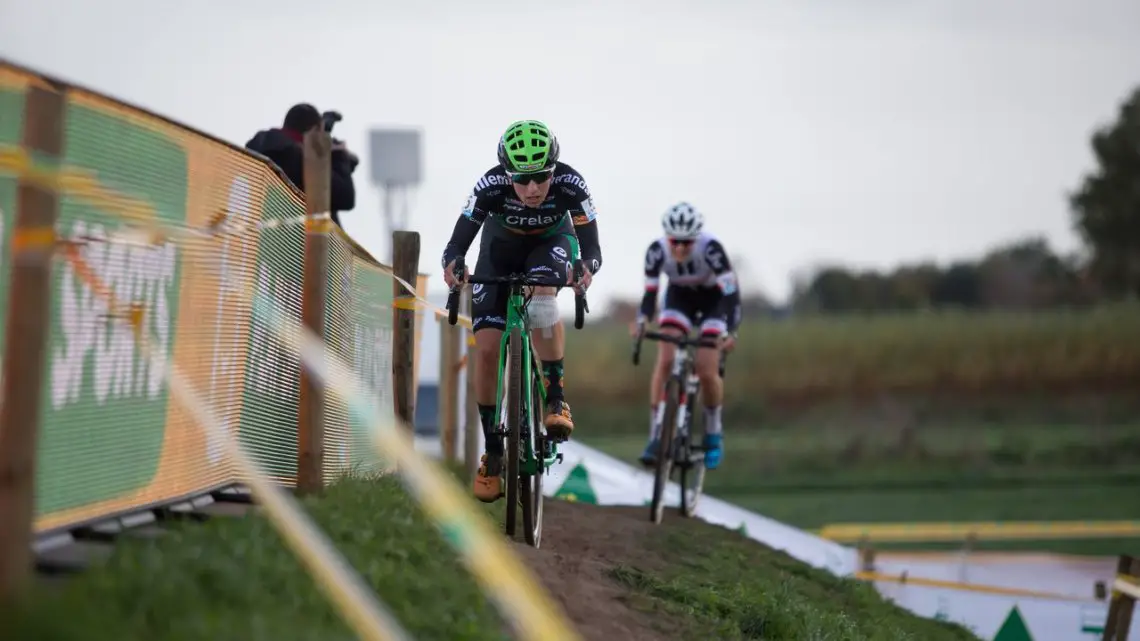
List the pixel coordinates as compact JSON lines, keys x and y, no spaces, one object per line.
{"x":494,"y":206}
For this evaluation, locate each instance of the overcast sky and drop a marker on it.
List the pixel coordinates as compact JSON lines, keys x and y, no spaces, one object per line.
{"x":868,"y":132}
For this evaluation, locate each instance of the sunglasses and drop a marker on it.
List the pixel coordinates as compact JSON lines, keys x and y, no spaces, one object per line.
{"x":680,"y":242}
{"x":535,"y":177}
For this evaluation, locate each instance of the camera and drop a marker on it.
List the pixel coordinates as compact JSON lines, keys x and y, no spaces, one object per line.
{"x":330,"y":118}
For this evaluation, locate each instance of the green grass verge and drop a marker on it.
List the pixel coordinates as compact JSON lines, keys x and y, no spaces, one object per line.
{"x":233,"y":578}
{"x":726,"y":586}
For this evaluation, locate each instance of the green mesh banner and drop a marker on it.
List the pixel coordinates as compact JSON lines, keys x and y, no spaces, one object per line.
{"x":11,"y":128}
{"x":371,"y":322}
{"x":272,"y":374}
{"x":101,"y":390}
{"x":112,"y":438}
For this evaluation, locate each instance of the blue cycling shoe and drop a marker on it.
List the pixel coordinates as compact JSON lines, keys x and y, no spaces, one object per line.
{"x":648,"y":458}
{"x":713,"y":450}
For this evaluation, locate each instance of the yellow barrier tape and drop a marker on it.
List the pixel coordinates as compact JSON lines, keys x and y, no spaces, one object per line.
{"x":901,"y":532}
{"x":1127,"y":586}
{"x":32,"y":238}
{"x":318,"y":223}
{"x":423,"y":303}
{"x":81,"y":184}
{"x":904,"y":579}
{"x":405,"y":302}
{"x":358,"y":605}
{"x":85,"y":187}
{"x":504,"y":577}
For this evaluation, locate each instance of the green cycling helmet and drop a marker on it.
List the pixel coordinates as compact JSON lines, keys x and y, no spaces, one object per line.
{"x":527,"y":146}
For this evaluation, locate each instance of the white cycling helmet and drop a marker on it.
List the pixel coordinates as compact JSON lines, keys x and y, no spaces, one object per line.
{"x":682,"y":221}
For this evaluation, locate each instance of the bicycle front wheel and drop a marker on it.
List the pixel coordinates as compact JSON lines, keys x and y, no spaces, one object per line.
{"x":665,"y":450}
{"x":514,"y":429}
{"x":532,"y":484}
{"x":692,"y":479}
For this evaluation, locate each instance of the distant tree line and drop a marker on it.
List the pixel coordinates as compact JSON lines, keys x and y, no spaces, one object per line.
{"x":1025,"y":274}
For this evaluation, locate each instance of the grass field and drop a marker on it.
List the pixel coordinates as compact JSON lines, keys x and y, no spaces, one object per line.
{"x":915,"y":417}
{"x":232,"y":579}
{"x":810,"y":478}
{"x":933,"y":355}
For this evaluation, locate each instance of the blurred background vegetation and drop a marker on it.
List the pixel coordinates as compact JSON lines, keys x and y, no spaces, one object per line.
{"x":1004,"y":386}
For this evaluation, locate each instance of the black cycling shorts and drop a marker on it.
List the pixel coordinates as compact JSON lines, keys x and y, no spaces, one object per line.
{"x":688,"y":307}
{"x":502,"y":252}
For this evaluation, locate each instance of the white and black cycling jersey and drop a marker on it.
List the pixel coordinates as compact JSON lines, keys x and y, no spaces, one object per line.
{"x":706,"y":266}
{"x":703,"y":281}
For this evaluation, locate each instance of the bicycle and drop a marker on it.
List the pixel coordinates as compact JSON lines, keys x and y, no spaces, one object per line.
{"x":529,"y":454}
{"x":675,"y":415}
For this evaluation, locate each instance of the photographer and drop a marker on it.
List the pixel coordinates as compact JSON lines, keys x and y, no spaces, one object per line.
{"x":283,"y":146}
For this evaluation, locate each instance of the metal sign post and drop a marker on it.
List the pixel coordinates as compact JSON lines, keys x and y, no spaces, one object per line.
{"x":396,"y":158}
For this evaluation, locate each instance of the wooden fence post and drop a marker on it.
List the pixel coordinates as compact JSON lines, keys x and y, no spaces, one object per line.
{"x":449,"y":338}
{"x":1122,"y":605}
{"x":314,"y":290}
{"x":471,"y":425}
{"x":405,"y":265}
{"x":28,"y":330}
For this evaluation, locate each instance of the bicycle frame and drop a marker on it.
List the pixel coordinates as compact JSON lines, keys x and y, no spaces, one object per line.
{"x":682,"y":371}
{"x":525,"y":398}
{"x":676,"y":450}
{"x":518,"y":319}
{"x":690,"y":385}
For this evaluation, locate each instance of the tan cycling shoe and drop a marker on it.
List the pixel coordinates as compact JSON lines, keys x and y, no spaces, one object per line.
{"x":488,"y":480}
{"x":558,"y":422}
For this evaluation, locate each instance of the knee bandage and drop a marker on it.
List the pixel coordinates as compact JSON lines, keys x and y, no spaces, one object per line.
{"x":543,"y":312}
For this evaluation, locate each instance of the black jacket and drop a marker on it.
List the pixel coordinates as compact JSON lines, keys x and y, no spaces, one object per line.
{"x":278,"y":146}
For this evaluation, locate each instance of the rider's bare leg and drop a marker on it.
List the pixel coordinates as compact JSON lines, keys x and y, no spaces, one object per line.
{"x":712,"y":387}
{"x":548,"y":334}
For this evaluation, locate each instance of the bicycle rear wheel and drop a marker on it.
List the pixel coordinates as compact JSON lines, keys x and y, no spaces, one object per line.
{"x":514,"y":416}
{"x":692,"y":481}
{"x":665,"y":450}
{"x":532,"y":484}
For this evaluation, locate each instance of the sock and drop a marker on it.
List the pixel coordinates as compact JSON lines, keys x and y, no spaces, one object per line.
{"x":654,"y":425}
{"x":712,"y":420}
{"x":487,"y":418}
{"x":552,"y":372}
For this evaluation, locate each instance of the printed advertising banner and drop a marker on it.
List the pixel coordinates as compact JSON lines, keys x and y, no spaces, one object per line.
{"x":112,"y":438}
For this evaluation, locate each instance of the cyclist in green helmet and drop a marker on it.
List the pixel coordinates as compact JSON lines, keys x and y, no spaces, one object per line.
{"x":535,"y":212}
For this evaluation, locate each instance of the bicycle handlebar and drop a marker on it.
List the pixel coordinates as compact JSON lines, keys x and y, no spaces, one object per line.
{"x":526,"y":280}
{"x":683,"y":341}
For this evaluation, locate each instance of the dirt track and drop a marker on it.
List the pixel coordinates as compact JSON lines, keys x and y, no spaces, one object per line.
{"x":579,"y":544}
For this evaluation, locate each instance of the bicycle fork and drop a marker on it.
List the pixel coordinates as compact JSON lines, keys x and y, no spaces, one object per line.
{"x":685,"y":405}
{"x":689,"y":391}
